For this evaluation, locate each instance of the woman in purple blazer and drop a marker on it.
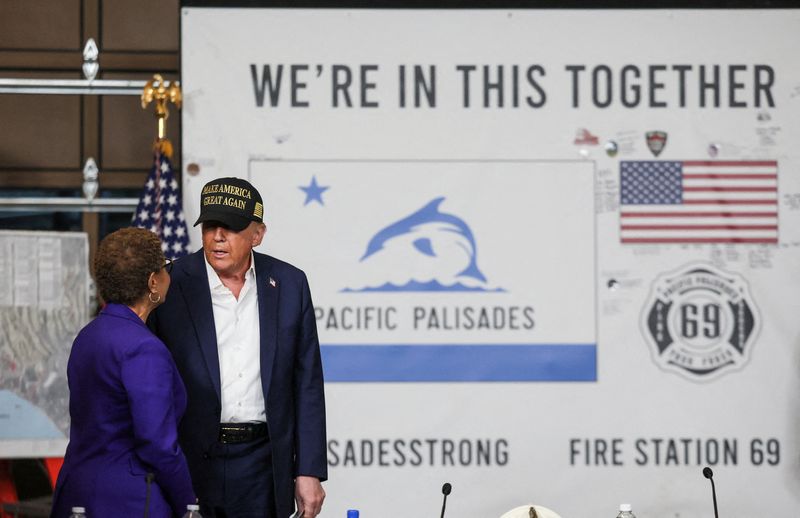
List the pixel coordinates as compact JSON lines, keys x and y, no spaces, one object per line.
{"x":126,"y":397}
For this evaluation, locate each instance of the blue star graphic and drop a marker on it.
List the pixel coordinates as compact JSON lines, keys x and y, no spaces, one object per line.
{"x":314,"y":191}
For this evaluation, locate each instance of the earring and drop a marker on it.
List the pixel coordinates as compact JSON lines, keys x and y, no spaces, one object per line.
{"x":150,"y":296}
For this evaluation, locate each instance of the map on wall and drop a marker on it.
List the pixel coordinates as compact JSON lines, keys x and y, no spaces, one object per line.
{"x":44,"y":305}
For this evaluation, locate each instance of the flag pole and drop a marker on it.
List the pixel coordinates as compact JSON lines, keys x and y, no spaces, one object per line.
{"x":161,"y":93}
{"x":160,"y":207}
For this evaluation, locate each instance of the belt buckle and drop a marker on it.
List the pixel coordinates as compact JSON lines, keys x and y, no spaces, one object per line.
{"x":234,"y":435}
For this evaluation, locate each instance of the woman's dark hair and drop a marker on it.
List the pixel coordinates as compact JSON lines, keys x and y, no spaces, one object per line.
{"x":123,"y":264}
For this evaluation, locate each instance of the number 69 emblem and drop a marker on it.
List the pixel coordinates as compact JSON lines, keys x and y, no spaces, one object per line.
{"x":700,"y":321}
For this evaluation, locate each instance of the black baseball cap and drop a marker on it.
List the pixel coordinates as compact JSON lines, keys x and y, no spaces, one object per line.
{"x":231,"y":201}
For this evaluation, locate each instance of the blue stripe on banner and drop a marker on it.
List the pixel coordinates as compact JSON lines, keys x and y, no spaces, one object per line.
{"x":523,"y":362}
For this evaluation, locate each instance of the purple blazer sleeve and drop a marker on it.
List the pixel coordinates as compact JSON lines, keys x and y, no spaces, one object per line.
{"x":151,"y":380}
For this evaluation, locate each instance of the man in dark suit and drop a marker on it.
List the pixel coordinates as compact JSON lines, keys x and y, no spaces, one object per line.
{"x":242,"y":330}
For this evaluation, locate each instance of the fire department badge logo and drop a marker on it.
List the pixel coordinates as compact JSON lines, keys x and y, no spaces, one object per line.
{"x":656,"y":141}
{"x":700,"y":321}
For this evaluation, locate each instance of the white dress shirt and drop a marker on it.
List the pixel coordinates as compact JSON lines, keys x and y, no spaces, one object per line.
{"x":238,"y":347}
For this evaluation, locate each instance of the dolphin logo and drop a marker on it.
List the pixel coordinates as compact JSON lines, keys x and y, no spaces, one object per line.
{"x":430,"y":214}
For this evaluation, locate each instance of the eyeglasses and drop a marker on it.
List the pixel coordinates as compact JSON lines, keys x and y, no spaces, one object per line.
{"x":168,"y":265}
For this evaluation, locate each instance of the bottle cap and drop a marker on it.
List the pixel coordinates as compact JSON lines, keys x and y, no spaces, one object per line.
{"x":625,"y":508}
{"x":192,"y":507}
{"x":352,"y":513}
{"x":78,"y":509}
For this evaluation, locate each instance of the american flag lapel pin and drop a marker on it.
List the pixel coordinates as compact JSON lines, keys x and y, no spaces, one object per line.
{"x":273,"y":283}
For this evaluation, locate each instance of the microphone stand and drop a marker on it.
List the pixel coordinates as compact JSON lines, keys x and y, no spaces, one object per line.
{"x":714,"y":497}
{"x":710,"y":476}
{"x":446,"y":488}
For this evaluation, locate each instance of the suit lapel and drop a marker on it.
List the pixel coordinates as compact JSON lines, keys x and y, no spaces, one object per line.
{"x":268,"y":289}
{"x":197,"y":297}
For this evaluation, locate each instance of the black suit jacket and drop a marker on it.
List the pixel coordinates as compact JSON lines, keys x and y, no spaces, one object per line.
{"x":291,"y":370}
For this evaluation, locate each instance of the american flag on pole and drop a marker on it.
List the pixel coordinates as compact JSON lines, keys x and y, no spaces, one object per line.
{"x":699,"y":201}
{"x":160,"y":209}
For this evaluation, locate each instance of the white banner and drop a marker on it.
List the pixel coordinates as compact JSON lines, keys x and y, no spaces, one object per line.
{"x":553,"y":254}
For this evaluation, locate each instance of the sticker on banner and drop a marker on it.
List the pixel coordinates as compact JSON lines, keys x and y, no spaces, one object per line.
{"x":656,"y":141}
{"x":584,"y":137}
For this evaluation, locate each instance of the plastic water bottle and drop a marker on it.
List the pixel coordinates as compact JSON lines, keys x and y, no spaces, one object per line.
{"x":78,"y":512}
{"x":192,"y":511}
{"x":625,"y":511}
{"x":352,"y":513}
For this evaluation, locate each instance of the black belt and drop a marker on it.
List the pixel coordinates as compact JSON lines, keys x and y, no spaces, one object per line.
{"x":233,"y":433}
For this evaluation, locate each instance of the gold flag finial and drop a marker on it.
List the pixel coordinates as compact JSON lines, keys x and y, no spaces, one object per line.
{"x":162,"y":92}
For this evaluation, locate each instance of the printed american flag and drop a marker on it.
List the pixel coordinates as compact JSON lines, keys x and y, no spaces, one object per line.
{"x":699,"y":201}
{"x":160,"y":209}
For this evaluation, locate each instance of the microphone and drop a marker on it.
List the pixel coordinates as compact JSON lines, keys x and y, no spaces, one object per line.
{"x":710,"y":476}
{"x":446,"y":488}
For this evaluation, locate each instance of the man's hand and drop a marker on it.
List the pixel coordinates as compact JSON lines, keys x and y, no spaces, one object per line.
{"x":309,"y":495}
